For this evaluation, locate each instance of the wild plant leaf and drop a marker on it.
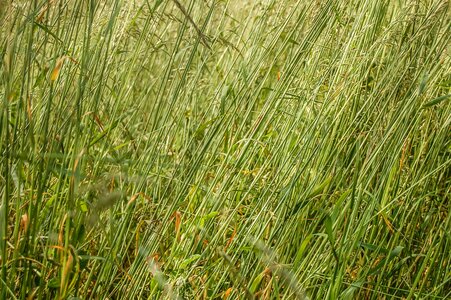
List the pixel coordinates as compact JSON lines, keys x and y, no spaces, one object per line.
{"x":436,"y":101}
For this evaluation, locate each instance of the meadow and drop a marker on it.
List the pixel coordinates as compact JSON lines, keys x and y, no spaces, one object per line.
{"x":223,"y":149}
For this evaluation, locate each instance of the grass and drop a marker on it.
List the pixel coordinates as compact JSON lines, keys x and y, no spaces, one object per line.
{"x":225,"y":149}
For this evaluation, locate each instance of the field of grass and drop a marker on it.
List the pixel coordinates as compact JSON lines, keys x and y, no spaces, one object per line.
{"x":222,"y":149}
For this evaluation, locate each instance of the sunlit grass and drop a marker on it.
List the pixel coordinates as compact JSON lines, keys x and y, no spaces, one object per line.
{"x":225,"y":150}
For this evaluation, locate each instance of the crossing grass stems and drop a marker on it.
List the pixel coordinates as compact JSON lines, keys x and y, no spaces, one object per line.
{"x":225,"y":149}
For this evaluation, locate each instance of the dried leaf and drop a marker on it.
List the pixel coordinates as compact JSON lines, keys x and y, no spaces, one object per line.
{"x":57,"y":69}
{"x":24,"y":221}
{"x":227,"y":293}
{"x":178,"y":221}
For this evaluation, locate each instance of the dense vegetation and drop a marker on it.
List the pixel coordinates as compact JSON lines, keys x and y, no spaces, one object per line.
{"x":222,"y":149}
